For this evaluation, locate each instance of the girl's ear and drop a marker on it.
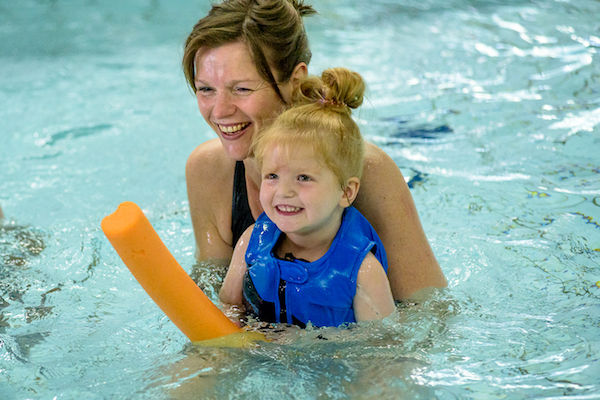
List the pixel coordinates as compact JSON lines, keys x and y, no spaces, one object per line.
{"x":350,"y":191}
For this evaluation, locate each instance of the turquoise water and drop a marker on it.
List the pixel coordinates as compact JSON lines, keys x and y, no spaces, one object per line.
{"x":491,"y":110}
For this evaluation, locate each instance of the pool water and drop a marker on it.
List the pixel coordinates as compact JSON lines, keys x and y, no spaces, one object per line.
{"x":490,"y":108}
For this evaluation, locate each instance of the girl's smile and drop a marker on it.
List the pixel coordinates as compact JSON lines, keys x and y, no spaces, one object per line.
{"x":300,"y":194}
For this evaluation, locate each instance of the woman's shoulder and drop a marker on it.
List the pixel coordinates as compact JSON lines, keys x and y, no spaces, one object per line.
{"x":208,"y":160}
{"x":376,"y":158}
{"x":383,"y":197}
{"x":211,"y":150}
{"x":380,"y":175}
{"x":208,"y":170}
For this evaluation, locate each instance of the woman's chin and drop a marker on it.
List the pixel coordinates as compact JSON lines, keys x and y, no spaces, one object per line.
{"x":236,"y":151}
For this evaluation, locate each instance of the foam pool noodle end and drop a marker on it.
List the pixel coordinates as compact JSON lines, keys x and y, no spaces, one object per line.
{"x":167,"y":283}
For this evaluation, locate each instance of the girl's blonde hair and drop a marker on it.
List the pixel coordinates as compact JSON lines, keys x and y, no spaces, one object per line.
{"x":321,"y":118}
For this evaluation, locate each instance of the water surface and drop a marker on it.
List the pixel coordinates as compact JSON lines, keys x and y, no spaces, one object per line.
{"x":491,"y":109}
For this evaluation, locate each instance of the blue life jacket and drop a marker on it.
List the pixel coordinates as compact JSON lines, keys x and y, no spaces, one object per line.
{"x":296,"y":291}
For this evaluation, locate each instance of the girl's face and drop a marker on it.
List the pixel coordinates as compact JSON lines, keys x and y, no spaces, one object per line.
{"x":232,"y":96}
{"x":299,"y":193}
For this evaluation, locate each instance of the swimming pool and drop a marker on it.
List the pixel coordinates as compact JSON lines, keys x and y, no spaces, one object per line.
{"x":491,"y":109}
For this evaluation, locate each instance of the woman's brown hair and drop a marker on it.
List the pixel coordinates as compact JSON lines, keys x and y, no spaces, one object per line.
{"x":272,"y":30}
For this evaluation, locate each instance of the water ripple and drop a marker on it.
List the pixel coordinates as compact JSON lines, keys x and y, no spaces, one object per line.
{"x":584,"y":121}
{"x":73,"y":133}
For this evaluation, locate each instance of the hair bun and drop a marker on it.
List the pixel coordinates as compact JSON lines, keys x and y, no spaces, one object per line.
{"x":303,"y":9}
{"x":343,"y":87}
{"x":338,"y":88}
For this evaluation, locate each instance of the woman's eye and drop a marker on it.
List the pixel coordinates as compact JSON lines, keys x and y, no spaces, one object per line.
{"x":204,"y":90}
{"x":304,"y":178}
{"x":242,"y":91}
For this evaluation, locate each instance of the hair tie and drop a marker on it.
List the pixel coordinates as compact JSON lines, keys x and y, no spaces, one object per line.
{"x":330,"y":102}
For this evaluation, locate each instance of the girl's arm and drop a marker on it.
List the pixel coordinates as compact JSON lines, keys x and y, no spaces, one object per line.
{"x":231,"y":291}
{"x":385,"y":200}
{"x":373,"y":298}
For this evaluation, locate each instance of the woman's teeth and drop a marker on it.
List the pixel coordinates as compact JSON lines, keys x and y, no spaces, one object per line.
{"x":232,"y":128}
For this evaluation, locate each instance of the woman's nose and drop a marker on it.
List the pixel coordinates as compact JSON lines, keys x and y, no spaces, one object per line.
{"x":223,"y":106}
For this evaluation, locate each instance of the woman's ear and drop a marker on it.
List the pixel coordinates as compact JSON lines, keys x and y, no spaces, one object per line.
{"x":300,"y":72}
{"x":350,"y":191}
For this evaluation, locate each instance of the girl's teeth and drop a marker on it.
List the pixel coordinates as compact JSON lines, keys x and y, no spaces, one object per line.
{"x":288,"y":208}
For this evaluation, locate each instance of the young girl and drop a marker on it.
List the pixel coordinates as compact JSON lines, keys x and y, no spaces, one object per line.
{"x":311,"y":256}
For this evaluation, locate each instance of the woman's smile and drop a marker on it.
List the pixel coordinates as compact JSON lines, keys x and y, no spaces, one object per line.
{"x":233,"y":96}
{"x":233,"y":131}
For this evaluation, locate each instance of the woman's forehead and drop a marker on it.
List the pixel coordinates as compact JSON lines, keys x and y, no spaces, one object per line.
{"x":231,"y":59}
{"x":235,"y":55}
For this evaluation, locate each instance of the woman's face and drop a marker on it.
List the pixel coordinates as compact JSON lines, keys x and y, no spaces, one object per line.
{"x":232,"y":96}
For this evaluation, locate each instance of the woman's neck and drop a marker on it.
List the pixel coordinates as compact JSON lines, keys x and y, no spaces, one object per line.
{"x":252,"y":171}
{"x":253,"y":186}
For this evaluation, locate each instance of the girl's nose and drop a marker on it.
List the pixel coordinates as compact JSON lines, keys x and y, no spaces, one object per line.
{"x":286,"y":188}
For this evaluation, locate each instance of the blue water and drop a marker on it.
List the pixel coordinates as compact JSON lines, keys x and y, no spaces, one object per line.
{"x":491,"y":109}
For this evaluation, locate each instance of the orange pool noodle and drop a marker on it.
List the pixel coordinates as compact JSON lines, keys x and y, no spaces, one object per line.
{"x":155,"y":268}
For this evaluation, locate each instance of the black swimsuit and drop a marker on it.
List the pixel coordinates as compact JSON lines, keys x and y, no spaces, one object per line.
{"x":241,"y":216}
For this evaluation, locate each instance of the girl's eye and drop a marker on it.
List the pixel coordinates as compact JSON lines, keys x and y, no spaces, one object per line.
{"x":270,"y":176}
{"x":304,"y":178}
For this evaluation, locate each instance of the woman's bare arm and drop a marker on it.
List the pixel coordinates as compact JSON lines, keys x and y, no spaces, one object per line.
{"x":207,"y":172}
{"x":373,"y":299}
{"x":385,"y":200}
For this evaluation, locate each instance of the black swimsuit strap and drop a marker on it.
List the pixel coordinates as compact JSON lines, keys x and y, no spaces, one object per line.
{"x":241,"y":216}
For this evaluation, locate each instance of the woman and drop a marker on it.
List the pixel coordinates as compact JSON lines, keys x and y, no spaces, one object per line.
{"x":243,"y":60}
